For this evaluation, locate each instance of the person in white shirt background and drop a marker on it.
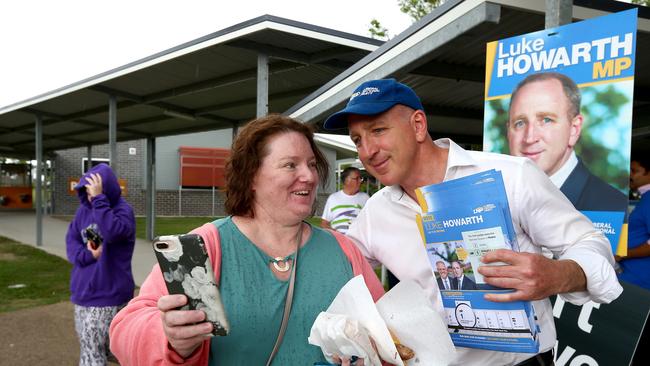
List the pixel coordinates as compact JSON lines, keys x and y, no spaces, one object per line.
{"x":342,"y":207}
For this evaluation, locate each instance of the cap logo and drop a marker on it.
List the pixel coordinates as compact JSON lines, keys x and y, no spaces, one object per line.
{"x":366,"y":91}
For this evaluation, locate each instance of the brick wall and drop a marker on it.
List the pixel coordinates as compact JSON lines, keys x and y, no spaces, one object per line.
{"x":199,"y":203}
{"x":193,"y":202}
{"x":67,"y":164}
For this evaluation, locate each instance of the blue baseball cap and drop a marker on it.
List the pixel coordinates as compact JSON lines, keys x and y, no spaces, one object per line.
{"x":374,"y":97}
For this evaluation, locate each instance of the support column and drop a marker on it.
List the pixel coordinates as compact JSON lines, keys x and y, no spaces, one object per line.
{"x":262,"y":85}
{"x":38,"y":201}
{"x":235,"y":130}
{"x":150,"y":211}
{"x":558,"y":12}
{"x":112,"y":133}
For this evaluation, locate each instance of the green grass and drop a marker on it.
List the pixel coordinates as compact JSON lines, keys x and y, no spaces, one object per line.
{"x":46,"y":277}
{"x":170,"y":225}
{"x":182,"y":225}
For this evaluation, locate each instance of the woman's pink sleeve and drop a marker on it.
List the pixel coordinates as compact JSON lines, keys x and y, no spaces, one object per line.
{"x":360,"y":265}
{"x":136,"y":332}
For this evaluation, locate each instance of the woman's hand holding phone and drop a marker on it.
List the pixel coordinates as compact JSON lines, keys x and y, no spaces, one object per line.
{"x":185,"y":329}
{"x":187,"y":271}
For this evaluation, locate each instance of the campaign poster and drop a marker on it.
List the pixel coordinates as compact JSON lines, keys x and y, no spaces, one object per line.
{"x":563,"y":98}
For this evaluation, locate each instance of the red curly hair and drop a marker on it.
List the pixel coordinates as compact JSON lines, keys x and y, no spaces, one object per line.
{"x":248,"y":150}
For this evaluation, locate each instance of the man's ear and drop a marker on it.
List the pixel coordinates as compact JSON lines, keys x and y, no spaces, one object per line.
{"x":420,"y":125}
{"x":576,"y":129}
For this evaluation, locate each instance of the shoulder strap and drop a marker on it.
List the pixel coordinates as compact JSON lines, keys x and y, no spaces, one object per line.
{"x":287,"y":302}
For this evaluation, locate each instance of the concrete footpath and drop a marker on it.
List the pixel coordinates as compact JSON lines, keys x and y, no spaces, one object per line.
{"x":21,"y":226}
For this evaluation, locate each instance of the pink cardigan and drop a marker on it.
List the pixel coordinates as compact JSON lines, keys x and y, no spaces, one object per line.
{"x":136,"y":333}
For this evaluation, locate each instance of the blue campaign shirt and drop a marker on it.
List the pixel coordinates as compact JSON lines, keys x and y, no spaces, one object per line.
{"x":637,"y":270}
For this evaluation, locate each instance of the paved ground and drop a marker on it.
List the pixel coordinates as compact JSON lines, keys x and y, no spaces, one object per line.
{"x":42,"y":335}
{"x":45,"y":335}
{"x":39,"y":336}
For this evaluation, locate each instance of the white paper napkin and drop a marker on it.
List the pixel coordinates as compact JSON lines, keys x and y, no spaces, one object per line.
{"x":353,"y":316}
{"x":353,"y":304}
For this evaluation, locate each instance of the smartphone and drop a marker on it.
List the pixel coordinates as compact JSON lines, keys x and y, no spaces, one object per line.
{"x":94,"y":238}
{"x":187,"y":270}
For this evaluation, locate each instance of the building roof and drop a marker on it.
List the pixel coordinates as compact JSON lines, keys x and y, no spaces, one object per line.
{"x":205,"y":84}
{"x":442,"y":57}
{"x":341,"y":143}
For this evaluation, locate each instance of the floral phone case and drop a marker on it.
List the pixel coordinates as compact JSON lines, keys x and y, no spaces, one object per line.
{"x":187,"y":270}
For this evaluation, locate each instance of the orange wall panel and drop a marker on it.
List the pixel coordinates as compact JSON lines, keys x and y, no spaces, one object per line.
{"x":16,"y":197}
{"x":202,"y":167}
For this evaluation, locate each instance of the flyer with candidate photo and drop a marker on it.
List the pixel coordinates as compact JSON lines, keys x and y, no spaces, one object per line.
{"x":462,"y":220}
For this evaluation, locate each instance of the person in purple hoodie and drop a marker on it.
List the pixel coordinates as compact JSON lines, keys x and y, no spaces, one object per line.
{"x":100,"y":243}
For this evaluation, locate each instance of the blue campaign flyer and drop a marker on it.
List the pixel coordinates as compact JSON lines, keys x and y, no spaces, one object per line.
{"x":569,"y":89}
{"x":469,"y":189}
{"x":465,"y":218}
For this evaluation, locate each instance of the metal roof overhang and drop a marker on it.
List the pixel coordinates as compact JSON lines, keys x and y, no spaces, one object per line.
{"x":443,"y":58}
{"x":206,"y":84}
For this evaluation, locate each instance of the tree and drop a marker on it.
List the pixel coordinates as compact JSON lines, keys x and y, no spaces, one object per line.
{"x":641,"y":2}
{"x":377,"y":31}
{"x":416,"y":9}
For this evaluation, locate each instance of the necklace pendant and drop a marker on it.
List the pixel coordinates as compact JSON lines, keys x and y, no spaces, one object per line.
{"x":285,"y":266}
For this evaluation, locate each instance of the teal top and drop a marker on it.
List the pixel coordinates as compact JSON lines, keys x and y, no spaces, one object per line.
{"x":254,"y":298}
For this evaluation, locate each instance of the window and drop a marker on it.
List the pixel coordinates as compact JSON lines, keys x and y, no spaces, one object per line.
{"x":95,"y":162}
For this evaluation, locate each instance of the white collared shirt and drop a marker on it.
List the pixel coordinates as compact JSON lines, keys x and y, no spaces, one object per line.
{"x":386,"y":232}
{"x":563,"y":173}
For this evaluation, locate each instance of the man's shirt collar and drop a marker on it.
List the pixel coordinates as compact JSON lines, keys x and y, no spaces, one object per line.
{"x":457,"y":156}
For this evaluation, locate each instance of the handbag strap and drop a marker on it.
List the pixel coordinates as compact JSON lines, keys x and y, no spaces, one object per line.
{"x":287,"y":302}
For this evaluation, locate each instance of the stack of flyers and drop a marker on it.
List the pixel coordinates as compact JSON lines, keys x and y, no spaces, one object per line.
{"x":462,"y":220}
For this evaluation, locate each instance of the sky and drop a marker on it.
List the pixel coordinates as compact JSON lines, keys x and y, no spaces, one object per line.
{"x":49,"y":44}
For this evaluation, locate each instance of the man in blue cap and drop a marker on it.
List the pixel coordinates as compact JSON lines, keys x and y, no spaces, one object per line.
{"x":388,"y":125}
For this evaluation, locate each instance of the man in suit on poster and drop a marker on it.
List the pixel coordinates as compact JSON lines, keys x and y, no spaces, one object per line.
{"x":544,"y":125}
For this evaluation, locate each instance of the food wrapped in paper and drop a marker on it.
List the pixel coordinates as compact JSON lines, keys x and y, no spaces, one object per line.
{"x":406,"y":310}
{"x":337,"y":334}
{"x":354,"y":303}
{"x":342,"y":329}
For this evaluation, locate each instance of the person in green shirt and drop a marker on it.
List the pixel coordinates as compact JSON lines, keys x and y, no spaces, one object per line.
{"x":272,"y":177}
